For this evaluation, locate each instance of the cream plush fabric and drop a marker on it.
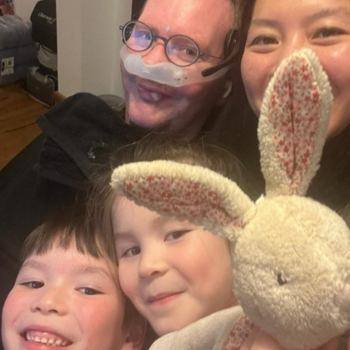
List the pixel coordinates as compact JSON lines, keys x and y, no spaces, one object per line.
{"x":209,"y":333}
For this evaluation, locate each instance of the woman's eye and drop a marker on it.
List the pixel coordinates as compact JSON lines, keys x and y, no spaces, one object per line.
{"x":263,"y":40}
{"x":89,"y":291}
{"x":327,"y":32}
{"x":132,"y":252}
{"x":33,"y":284}
{"x":176,"y":235}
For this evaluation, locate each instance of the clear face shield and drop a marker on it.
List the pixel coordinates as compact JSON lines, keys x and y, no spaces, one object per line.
{"x":166,"y":72}
{"x":180,"y":50}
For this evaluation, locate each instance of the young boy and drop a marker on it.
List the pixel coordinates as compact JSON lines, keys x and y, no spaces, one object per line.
{"x":174,"y":272}
{"x":67,"y":292}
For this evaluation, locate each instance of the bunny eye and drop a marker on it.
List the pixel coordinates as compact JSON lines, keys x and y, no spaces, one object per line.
{"x":281,"y":280}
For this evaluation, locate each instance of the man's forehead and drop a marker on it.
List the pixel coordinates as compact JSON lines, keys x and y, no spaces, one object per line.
{"x":188,"y":17}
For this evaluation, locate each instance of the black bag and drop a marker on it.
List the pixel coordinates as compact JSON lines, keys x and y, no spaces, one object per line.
{"x":40,"y":87}
{"x":44,"y":26}
{"x":44,"y":33}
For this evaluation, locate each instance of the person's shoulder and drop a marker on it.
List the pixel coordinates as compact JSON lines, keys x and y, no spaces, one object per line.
{"x":80,"y":105}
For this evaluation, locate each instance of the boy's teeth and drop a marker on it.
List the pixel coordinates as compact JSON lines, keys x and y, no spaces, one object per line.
{"x":54,"y":341}
{"x":156,"y":96}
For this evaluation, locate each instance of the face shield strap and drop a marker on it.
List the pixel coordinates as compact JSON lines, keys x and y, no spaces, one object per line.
{"x":166,"y":72}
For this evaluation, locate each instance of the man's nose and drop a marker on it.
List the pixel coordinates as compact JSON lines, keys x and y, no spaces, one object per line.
{"x":152,"y":264}
{"x":50,"y":301}
{"x":155,"y":54}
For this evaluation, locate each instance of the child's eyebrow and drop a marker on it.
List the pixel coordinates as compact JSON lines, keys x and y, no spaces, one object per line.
{"x":78,"y":269}
{"x":92,"y":270}
{"x":33,"y":264}
{"x":155,"y":223}
{"x":119,"y":235}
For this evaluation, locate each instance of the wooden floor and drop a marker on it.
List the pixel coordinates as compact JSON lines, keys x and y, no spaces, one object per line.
{"x":18,"y":113}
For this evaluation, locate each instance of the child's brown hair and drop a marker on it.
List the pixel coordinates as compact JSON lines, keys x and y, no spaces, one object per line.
{"x":162,"y":147}
{"x":66,"y":226}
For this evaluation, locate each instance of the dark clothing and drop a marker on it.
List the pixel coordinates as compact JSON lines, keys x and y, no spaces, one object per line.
{"x":331,"y":184}
{"x":53,"y":170}
{"x":235,"y":128}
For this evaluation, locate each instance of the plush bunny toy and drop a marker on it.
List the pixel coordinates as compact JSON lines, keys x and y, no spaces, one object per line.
{"x":290,"y":254}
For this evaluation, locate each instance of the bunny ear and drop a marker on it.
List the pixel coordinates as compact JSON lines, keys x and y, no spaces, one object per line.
{"x":293,"y":123}
{"x":187,"y":192}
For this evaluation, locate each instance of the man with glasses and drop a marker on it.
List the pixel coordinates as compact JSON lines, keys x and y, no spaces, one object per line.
{"x":166,"y":52}
{"x":174,"y":69}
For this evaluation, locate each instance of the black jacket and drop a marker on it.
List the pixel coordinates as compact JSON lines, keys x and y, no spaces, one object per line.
{"x":53,"y":170}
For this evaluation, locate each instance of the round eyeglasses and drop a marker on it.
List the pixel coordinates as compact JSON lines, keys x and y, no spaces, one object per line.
{"x":179,"y":49}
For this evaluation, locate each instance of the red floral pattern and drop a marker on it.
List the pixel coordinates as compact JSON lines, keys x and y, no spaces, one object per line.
{"x":294,"y":107}
{"x":184,"y":198}
{"x":239,"y":333}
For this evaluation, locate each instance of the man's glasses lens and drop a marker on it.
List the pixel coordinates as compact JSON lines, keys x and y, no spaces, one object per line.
{"x":137,"y":36}
{"x":180,"y":49}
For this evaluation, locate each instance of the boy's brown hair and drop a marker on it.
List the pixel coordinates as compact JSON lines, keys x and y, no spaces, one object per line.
{"x":68,"y":225}
{"x":162,"y":147}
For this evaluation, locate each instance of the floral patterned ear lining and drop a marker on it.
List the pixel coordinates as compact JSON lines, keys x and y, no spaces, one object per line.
{"x":186,"y":191}
{"x":293,"y":123}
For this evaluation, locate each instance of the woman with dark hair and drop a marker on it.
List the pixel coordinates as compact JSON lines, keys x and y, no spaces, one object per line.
{"x":272,"y":30}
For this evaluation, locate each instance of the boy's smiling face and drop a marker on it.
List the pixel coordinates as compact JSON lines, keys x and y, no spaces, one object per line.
{"x":173,"y":272}
{"x":65,"y":298}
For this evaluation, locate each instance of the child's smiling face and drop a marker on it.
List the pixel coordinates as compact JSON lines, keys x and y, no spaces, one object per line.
{"x":173,"y":272}
{"x":65,"y":298}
